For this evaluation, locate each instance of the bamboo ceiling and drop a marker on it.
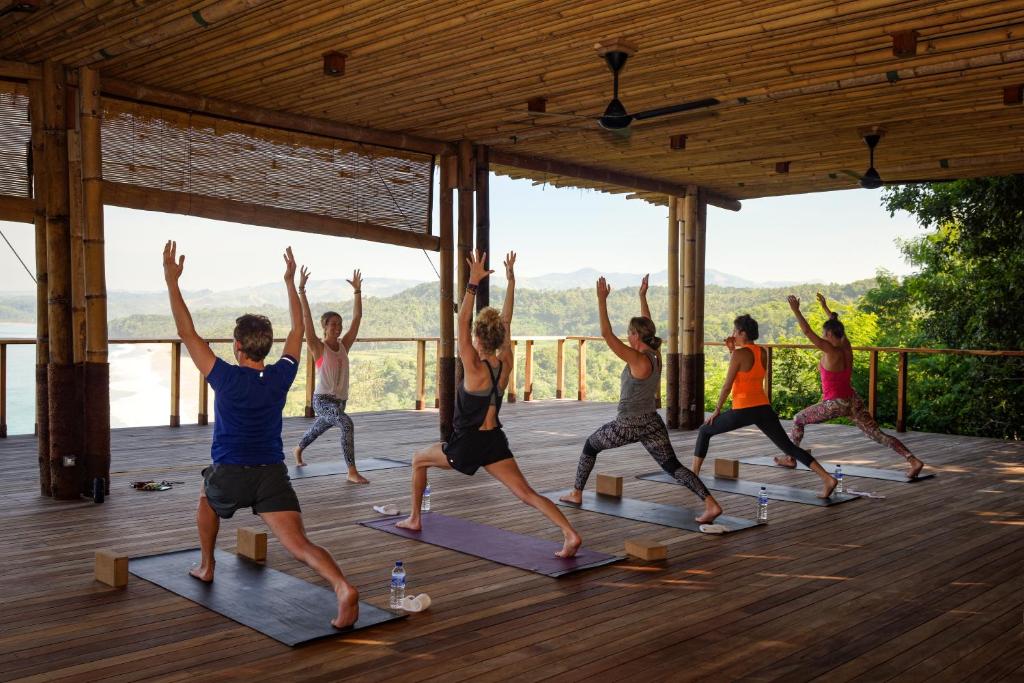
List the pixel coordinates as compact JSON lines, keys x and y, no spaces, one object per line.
{"x":799,"y":80}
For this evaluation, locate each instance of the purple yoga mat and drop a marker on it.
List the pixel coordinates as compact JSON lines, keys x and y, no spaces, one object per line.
{"x":496,"y":545}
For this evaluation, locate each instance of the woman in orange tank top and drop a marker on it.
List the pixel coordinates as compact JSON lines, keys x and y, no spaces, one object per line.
{"x":750,"y":405}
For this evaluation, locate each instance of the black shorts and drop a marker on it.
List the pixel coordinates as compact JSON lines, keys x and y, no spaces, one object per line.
{"x":264,"y":488}
{"x":470,"y":450}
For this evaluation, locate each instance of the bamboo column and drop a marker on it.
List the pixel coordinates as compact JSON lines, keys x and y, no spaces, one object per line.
{"x":465,"y":177}
{"x":672,"y":360}
{"x":96,"y":435}
{"x":446,"y":348}
{"x":65,"y":465}
{"x":421,"y":371}
{"x":40,"y":194}
{"x":483,"y":221}
{"x":560,"y":370}
{"x":698,"y":324}
{"x":691,"y":411}
{"x":76,"y":247}
{"x":528,"y":372}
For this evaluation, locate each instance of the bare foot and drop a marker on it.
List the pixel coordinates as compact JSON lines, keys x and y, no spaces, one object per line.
{"x":575,"y":497}
{"x":203,"y":572}
{"x":785,"y":461}
{"x":711,"y":511}
{"x":830,"y":486}
{"x":571,"y":545}
{"x":298,"y":457}
{"x":914,"y":467}
{"x":348,"y":606}
{"x":411,"y":523}
{"x":356,"y":478}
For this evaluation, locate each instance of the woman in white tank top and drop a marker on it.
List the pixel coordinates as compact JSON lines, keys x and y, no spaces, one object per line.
{"x":331,"y":393}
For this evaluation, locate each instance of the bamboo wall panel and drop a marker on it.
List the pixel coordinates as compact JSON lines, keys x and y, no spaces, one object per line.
{"x":15,"y":138}
{"x":176,"y":151}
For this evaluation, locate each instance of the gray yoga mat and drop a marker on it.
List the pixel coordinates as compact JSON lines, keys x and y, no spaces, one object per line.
{"x":642,"y":511}
{"x":335,"y":466}
{"x":494,"y":544}
{"x":848,"y":470}
{"x":287,"y":609}
{"x":789,"y":494}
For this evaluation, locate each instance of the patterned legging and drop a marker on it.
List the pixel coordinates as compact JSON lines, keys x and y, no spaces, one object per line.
{"x":650,"y":431}
{"x":330,"y":412}
{"x":855,"y":410}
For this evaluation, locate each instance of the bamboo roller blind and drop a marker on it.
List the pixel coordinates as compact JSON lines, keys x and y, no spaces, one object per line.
{"x":178,"y":151}
{"x":15,"y":138}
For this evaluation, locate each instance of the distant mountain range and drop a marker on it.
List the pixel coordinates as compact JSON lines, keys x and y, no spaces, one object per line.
{"x":20,"y":306}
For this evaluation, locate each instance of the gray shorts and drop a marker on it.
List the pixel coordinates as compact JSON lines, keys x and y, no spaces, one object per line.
{"x":264,"y":488}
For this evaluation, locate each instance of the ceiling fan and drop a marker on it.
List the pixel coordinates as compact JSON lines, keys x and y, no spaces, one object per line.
{"x":872,"y":180}
{"x":615,"y":118}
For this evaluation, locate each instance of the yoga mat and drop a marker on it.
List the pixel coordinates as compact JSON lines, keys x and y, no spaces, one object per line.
{"x":329,"y":467}
{"x":788,"y":494}
{"x":496,"y":545}
{"x":287,"y":609}
{"x":642,"y":511}
{"x":848,"y":470}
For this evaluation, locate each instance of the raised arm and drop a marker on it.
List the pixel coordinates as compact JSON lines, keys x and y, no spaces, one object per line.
{"x":730,"y":377}
{"x":357,"y":309}
{"x":198,"y":350}
{"x":477,"y":272}
{"x":794,"y":304}
{"x":639,"y":365}
{"x":316,"y":347}
{"x":824,"y":304}
{"x":505,"y":353}
{"x":645,"y":310}
{"x":293,"y":342}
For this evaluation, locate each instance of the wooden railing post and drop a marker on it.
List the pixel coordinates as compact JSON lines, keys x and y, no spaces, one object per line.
{"x":310,"y":384}
{"x":581,"y":372}
{"x":560,"y":370}
{"x":176,"y":384}
{"x":873,"y":384}
{"x":512,"y":376}
{"x":204,"y":401}
{"x":3,"y":391}
{"x":437,"y":374}
{"x":528,"y":372}
{"x":768,"y":376}
{"x":901,"y":394}
{"x":421,"y":372}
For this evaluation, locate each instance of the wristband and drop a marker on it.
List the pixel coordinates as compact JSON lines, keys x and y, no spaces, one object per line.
{"x":471,"y":288}
{"x":358,"y":291}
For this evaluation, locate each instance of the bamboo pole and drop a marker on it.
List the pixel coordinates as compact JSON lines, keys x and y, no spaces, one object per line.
{"x":307,"y":409}
{"x":76,"y":220}
{"x":3,"y":391}
{"x":691,"y":414}
{"x":483,"y":220}
{"x":672,"y":360}
{"x":446,"y":356}
{"x":65,"y":460}
{"x":560,"y":370}
{"x":421,"y":372}
{"x":40,"y":196}
{"x":203,"y":416}
{"x":768,"y":376}
{"x":96,"y":437}
{"x":465,"y":175}
{"x":528,"y":372}
{"x":700,"y":249}
{"x":581,"y":371}
{"x":513,"y":391}
{"x":175,"y":419}
{"x":901,"y":393}
{"x":873,"y":384}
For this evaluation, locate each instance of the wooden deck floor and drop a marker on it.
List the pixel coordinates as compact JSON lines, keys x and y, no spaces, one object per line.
{"x":923,"y":585}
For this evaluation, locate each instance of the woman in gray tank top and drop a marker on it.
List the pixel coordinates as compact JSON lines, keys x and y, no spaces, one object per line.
{"x":637,"y":419}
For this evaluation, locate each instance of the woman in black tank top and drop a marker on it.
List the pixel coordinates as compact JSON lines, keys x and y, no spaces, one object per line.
{"x":477,"y":439}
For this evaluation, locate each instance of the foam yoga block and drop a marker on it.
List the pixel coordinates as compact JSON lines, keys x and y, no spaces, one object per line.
{"x":111,"y":568}
{"x":252,"y":543}
{"x":727,"y":469}
{"x":608,"y":485}
{"x":646,"y":549}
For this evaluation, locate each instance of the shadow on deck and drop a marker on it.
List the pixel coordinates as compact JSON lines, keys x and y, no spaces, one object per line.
{"x":923,"y":584}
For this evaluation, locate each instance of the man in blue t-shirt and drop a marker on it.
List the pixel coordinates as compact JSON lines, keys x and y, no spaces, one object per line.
{"x":248,"y":469}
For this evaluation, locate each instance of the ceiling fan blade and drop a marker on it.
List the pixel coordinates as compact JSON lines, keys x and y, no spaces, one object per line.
{"x":676,"y":108}
{"x":852,"y":174}
{"x":919,"y":181}
{"x":682,"y":118}
{"x":618,"y":136}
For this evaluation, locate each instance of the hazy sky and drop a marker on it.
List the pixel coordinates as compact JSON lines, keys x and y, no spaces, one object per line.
{"x":835,"y":236}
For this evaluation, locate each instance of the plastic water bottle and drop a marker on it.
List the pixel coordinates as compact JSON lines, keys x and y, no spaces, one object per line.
{"x":839,"y":479}
{"x":425,"y":502}
{"x":762,"y":505}
{"x":397,"y":585}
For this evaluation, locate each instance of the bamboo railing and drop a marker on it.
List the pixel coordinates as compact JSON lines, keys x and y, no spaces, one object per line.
{"x":528,"y":342}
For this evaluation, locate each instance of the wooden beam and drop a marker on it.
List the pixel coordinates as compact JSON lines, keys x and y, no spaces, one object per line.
{"x":138,"y":92}
{"x":601,"y":175}
{"x":17,"y":209}
{"x":20,"y":70}
{"x":446,"y":347}
{"x":148,"y":199}
{"x":483,"y":221}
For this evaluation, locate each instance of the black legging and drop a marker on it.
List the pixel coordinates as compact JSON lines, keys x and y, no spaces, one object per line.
{"x":765,"y":419}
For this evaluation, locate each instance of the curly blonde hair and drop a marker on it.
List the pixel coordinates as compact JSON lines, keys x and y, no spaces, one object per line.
{"x":489,"y":328}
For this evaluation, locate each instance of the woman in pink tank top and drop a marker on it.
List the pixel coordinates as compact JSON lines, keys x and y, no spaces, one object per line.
{"x":838,"y":398}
